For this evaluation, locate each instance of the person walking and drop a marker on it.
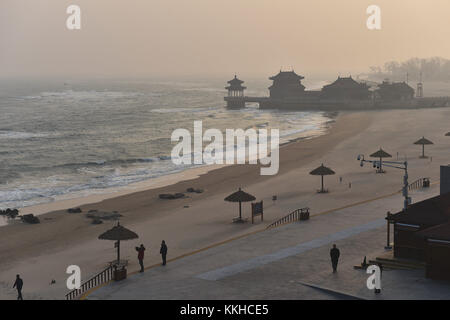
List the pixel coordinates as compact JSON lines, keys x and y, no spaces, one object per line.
{"x":163,"y":252}
{"x":334,"y":254}
{"x":140,"y":251}
{"x":18,"y":284}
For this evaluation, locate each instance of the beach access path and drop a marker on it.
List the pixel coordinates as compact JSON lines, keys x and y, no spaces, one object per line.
{"x":289,"y":262}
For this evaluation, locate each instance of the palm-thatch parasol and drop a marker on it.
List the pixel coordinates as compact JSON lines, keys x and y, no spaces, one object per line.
{"x":118,"y":233}
{"x":322,"y":171}
{"x":240,"y":196}
{"x":381,"y":154}
{"x":423,"y":142}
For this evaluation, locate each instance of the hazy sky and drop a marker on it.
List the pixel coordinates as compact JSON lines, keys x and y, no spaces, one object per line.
{"x":215,"y":37}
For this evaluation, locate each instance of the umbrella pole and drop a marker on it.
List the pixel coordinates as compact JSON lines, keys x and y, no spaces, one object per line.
{"x":423,"y":151}
{"x":240,"y":210}
{"x":118,"y":252}
{"x":381,"y":165}
{"x":323,"y":190}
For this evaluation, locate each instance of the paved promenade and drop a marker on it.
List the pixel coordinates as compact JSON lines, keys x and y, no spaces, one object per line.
{"x":289,"y":262}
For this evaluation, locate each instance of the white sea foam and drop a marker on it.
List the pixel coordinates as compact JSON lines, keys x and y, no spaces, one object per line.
{"x":5,"y":134}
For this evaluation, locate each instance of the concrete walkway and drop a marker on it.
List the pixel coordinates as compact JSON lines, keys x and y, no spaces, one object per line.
{"x":290,"y":262}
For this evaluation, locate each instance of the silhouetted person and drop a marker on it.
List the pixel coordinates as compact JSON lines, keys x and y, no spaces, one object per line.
{"x":18,"y":284}
{"x":140,"y":251}
{"x":334,"y":254}
{"x":163,"y":252}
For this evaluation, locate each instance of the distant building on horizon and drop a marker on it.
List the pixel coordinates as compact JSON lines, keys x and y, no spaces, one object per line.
{"x":345,"y":93}
{"x":286,"y":84}
{"x":346,"y":88}
{"x":392,"y":91}
{"x":235,"y":90}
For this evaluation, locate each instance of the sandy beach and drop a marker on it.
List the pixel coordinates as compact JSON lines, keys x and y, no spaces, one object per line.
{"x":41,"y":253}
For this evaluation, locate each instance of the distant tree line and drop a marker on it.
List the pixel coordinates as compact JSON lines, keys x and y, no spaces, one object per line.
{"x":432,"y":69}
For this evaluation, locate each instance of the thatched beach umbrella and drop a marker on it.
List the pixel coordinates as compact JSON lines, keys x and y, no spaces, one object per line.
{"x":118,"y":233}
{"x":240,"y":196}
{"x":381,"y":154}
{"x":423,"y":142}
{"x":322,"y":171}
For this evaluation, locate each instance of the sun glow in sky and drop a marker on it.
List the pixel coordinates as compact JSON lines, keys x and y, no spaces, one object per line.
{"x":215,"y":37}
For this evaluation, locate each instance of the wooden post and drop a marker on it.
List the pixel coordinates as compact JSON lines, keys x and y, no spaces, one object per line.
{"x":118,"y":252}
{"x":388,"y":238}
{"x":240,"y":210}
{"x":262,"y":211}
{"x":253,"y":211}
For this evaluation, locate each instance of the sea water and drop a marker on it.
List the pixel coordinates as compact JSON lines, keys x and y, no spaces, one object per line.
{"x":76,"y":138}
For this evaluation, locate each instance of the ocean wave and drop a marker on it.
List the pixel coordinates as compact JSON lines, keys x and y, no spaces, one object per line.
{"x":189,"y":110}
{"x":291,"y":132}
{"x":100,"y":163}
{"x":8,"y":134}
{"x":81,"y":95}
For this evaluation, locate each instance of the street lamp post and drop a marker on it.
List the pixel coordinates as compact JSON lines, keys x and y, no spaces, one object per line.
{"x":407,"y":199}
{"x":397,"y":165}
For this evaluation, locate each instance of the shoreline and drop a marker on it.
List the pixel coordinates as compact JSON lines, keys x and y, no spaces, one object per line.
{"x":65,"y":201}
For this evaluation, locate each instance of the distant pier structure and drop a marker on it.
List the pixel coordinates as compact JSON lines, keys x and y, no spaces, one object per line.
{"x":345,"y":93}
{"x":235,"y":98}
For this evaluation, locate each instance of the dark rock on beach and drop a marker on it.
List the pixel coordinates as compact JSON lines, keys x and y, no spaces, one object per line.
{"x":74,"y":210}
{"x":10,"y":213}
{"x":30,"y":218}
{"x":193,"y":190}
{"x":103,"y":215}
{"x":171,"y":196}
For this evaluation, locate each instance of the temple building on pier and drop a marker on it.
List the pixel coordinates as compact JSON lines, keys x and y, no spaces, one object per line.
{"x":286,"y":85}
{"x":235,"y":93}
{"x":393,"y":91}
{"x":345,"y":88}
{"x":345,"y":93}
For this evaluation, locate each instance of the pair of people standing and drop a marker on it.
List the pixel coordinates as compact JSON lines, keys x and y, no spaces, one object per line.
{"x":162,"y":251}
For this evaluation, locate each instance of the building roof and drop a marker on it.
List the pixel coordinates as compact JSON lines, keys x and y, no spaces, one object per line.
{"x":235,"y":81}
{"x":430,"y":212}
{"x":287,"y":76}
{"x":345,"y":82}
{"x":439,"y":232}
{"x":398,"y":86}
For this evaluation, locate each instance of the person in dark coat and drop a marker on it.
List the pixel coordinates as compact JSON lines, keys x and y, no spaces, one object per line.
{"x":334,"y":254}
{"x":18,"y":284}
{"x":140,"y":251}
{"x":163,"y":252}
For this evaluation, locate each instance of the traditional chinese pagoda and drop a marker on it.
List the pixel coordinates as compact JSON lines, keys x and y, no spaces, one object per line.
{"x":286,"y":84}
{"x":235,"y":93}
{"x":391,"y":91}
{"x":346,"y":88}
